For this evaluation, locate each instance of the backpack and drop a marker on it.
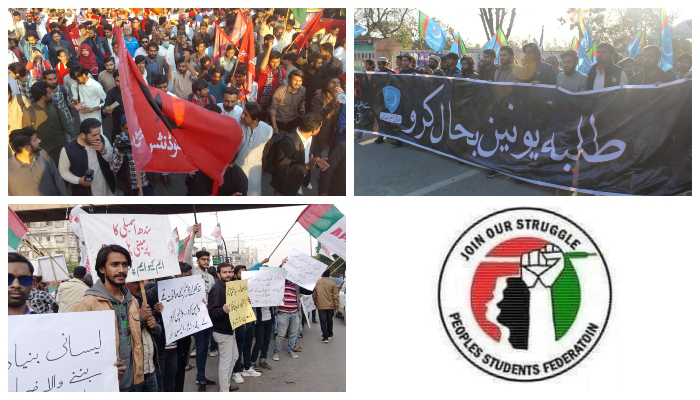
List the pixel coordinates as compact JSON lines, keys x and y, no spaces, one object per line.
{"x":270,"y":152}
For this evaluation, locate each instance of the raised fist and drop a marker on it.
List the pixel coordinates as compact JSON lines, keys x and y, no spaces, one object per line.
{"x":542,"y":265}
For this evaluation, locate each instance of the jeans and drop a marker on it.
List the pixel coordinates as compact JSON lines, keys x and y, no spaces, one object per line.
{"x":228,"y":353}
{"x":201,"y":343}
{"x":326,"y":317}
{"x":150,"y":384}
{"x":170,"y":369}
{"x":244,"y":339}
{"x":183,"y":357}
{"x":287,"y":324}
{"x":262,"y":340}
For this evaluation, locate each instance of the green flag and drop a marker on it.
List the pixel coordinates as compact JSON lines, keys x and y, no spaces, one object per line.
{"x":299,"y":14}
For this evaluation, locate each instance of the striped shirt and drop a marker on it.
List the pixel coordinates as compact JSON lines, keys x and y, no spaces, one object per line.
{"x":290,"y":298}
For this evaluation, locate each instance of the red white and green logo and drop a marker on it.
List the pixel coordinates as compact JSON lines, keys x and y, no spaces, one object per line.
{"x":525,"y":294}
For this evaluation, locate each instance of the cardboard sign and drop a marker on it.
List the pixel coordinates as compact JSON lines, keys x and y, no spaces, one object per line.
{"x":303,"y":270}
{"x":265,"y":288}
{"x":241,"y":312}
{"x":184,"y":306}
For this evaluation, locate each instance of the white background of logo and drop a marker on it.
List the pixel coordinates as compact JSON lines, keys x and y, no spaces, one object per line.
{"x":649,"y":348}
{"x":458,"y":278}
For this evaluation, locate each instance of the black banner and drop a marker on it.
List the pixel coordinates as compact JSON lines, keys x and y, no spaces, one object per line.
{"x":632,"y":140}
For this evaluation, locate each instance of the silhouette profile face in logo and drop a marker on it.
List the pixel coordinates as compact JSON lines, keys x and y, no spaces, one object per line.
{"x":515,"y":312}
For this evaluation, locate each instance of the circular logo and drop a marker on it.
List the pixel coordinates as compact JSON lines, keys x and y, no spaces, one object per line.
{"x":524,"y":294}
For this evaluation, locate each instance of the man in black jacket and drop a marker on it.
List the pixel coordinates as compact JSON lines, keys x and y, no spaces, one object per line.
{"x":651,"y":73}
{"x":294,"y":163}
{"x":223,"y":334}
{"x":605,"y":73}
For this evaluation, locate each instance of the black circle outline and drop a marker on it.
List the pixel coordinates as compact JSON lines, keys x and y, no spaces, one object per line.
{"x":442,"y":271}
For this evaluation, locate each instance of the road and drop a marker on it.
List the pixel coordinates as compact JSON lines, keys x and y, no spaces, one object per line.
{"x":386,"y":170}
{"x":319,"y":368}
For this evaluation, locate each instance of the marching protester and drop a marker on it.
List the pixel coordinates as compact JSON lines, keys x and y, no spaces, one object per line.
{"x":52,"y":127}
{"x":87,"y":73}
{"x":571,"y":79}
{"x":325,"y":297}
{"x":554,"y":62}
{"x":684,"y":63}
{"x":536,"y":71}
{"x":250,"y":154}
{"x":627,"y":65}
{"x":651,"y":73}
{"x":39,"y":300}
{"x":223,"y":333}
{"x":244,"y":340}
{"x":288,"y":319}
{"x":150,"y":329}
{"x":605,"y":73}
{"x":31,"y":171}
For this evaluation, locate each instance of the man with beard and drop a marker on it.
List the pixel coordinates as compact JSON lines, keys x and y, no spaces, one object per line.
{"x":92,"y":96}
{"x":109,"y":39}
{"x":288,"y":104}
{"x":270,"y":77}
{"x":97,"y":43}
{"x":255,"y":134}
{"x":536,"y":71}
{"x":112,"y":265}
{"x":182,"y":79}
{"x":570,"y":79}
{"x":228,"y":104}
{"x":628,"y":65}
{"x":683,"y":65}
{"x":332,"y":65}
{"x":450,"y":61}
{"x":155,"y":64}
{"x":313,"y":78}
{"x":216,"y":86}
{"x":507,"y":71}
{"x":382,"y":66}
{"x":61,"y":97}
{"x":406,"y":65}
{"x":84,"y":162}
{"x":51,"y":125}
{"x":605,"y":73}
{"x":651,"y":73}
{"x":20,"y":271}
{"x":223,"y":333}
{"x":369,"y":65}
{"x":31,"y":172}
{"x":244,"y":340}
{"x":106,"y":77}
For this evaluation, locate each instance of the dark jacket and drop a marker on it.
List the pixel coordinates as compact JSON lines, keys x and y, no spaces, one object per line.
{"x":159,"y":331}
{"x":330,"y":118}
{"x":55,"y":47}
{"x":216,"y":301}
{"x":258,"y":315}
{"x":52,"y":130}
{"x":312,"y":82}
{"x":77,"y":155}
{"x":291,"y":171}
{"x":334,"y":67}
{"x":642,"y":78}
{"x":332,"y":180}
{"x":152,"y":299}
{"x":487,"y":74}
{"x":544,"y":74}
{"x":612,"y":75}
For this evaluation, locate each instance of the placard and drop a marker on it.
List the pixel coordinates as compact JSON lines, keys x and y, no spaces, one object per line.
{"x":65,"y":352}
{"x":184,"y":306}
{"x":265,"y":288}
{"x":241,"y":312}
{"x":303,"y":270}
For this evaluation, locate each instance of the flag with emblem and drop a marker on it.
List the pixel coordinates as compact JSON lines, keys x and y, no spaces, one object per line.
{"x":312,"y":27}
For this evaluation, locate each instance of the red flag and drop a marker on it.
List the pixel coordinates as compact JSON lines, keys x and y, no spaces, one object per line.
{"x":221,"y":43}
{"x":312,"y":27}
{"x":75,"y":39}
{"x":246,"y":56}
{"x":169,"y":134}
{"x":239,"y":27}
{"x":330,"y":23}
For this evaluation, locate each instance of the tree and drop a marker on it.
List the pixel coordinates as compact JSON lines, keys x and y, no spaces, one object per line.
{"x":384,"y":22}
{"x":491,"y":23}
{"x":618,"y":26}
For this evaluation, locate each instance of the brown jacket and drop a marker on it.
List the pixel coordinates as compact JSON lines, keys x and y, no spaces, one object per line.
{"x":95,"y":303}
{"x":326,"y":295}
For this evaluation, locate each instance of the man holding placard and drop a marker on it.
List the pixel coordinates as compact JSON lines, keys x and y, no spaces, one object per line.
{"x":149,"y":330}
{"x":223,"y":334}
{"x":244,"y":339}
{"x":109,"y":293}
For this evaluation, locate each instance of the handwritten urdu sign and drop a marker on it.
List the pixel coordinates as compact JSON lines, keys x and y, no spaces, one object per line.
{"x":237,"y":301}
{"x":66,"y":352}
{"x":307,"y":304}
{"x":265,"y":288}
{"x":144,"y":236}
{"x":184,"y":308}
{"x":303,"y":270}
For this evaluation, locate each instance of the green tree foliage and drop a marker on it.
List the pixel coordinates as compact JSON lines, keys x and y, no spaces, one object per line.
{"x":619,"y":26}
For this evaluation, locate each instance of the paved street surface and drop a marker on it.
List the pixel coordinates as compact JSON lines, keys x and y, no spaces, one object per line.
{"x":319,"y":368}
{"x":386,"y":170}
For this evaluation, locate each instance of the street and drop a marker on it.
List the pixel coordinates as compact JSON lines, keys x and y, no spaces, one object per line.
{"x":386,"y":170}
{"x":319,"y":368}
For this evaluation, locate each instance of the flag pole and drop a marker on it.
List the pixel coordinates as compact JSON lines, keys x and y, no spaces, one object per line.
{"x":336,"y":268}
{"x":331,"y":264}
{"x":285,"y":235}
{"x":50,"y":258}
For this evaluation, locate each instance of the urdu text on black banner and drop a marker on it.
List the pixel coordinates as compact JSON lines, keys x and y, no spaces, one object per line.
{"x":630,"y":140}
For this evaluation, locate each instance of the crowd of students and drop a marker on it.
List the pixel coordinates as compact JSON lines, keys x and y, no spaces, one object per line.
{"x":65,"y":98}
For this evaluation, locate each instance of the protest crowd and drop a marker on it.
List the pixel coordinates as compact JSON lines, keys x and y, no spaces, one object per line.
{"x":611,"y":69}
{"x":146,"y":360}
{"x":282,"y":80}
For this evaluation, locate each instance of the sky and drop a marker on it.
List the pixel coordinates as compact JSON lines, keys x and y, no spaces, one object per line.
{"x":261,"y":228}
{"x":528,"y":21}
